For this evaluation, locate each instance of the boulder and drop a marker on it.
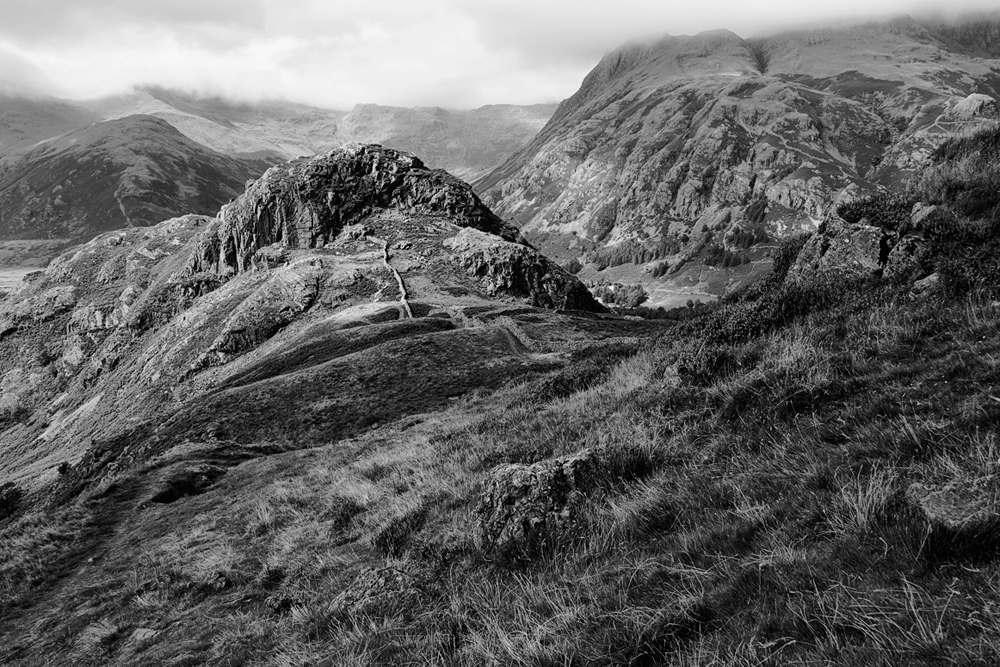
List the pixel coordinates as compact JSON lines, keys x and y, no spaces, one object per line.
{"x":850,"y":250}
{"x":522,"y":505}
{"x":512,"y":269}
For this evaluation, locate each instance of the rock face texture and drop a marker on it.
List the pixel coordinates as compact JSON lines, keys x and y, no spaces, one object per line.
{"x":129,"y":172}
{"x":306,"y":203}
{"x":672,"y":150}
{"x":334,"y":293}
{"x":861,"y":249}
{"x":523,"y":505}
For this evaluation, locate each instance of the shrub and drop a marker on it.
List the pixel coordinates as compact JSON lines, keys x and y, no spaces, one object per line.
{"x":627,"y":296}
{"x":788,"y":251}
{"x":10,"y":498}
{"x":965,"y":176}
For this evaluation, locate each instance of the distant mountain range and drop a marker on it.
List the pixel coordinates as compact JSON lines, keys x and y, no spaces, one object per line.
{"x":677,"y":164}
{"x":71,"y":169}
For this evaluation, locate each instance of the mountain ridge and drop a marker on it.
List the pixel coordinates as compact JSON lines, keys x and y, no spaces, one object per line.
{"x":668,"y":140}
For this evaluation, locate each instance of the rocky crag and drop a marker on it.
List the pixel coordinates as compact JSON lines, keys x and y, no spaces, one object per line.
{"x":679,"y":163}
{"x":355,"y":286}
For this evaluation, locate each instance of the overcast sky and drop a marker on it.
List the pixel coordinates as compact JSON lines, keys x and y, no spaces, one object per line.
{"x":336,"y":53}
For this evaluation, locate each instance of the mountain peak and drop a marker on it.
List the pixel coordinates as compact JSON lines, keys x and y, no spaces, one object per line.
{"x":306,"y":203}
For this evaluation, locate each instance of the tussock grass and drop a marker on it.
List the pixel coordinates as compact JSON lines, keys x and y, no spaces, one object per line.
{"x":752,"y":511}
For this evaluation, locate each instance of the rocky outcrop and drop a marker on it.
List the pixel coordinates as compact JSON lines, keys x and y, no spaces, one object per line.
{"x":522,"y":506}
{"x":511,"y":269}
{"x":38,"y":308}
{"x":850,"y":250}
{"x":306,"y":203}
{"x":863,"y":250}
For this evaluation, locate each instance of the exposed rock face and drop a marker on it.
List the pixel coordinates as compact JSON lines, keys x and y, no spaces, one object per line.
{"x":523,"y":505}
{"x":518,"y":270}
{"x":668,"y":142}
{"x":859,"y":250}
{"x":38,"y":308}
{"x":306,"y":203}
{"x":851,"y":250}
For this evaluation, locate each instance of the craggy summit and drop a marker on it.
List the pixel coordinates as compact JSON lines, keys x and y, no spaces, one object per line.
{"x":306,"y":203}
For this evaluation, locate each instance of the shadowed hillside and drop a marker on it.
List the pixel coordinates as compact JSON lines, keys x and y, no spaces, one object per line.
{"x":134,"y":171}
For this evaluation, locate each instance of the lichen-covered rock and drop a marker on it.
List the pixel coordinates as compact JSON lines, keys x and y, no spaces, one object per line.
{"x":513,"y":269}
{"x":850,"y":250}
{"x":909,"y":259}
{"x":306,"y":203}
{"x":383,"y":591}
{"x":522,"y":505}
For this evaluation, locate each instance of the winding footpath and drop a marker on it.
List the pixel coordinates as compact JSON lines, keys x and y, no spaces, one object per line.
{"x":403,"y":296}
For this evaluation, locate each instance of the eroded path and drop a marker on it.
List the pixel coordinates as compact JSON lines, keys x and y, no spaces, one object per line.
{"x":403,"y":296}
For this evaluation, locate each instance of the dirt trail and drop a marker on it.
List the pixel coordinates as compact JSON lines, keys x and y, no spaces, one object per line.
{"x":403,"y":296}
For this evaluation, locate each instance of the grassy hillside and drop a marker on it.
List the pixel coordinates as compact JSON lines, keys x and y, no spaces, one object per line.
{"x":804,"y":473}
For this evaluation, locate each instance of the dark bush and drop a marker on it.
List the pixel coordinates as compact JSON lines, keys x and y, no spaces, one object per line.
{"x":788,"y":251}
{"x":10,"y":498}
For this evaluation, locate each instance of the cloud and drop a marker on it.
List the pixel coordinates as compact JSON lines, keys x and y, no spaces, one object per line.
{"x":455,"y":53}
{"x":18,"y":76}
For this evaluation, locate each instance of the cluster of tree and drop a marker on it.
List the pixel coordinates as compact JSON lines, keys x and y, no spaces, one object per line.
{"x":626,"y":296}
{"x":756,"y":211}
{"x":747,"y":238}
{"x":718,"y":256}
{"x":633,"y":252}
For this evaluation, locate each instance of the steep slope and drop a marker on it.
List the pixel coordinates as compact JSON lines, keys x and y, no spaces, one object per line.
{"x":133,"y":171}
{"x":678,"y":159}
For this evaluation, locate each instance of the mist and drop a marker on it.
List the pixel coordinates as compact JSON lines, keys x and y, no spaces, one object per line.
{"x":451,"y":53}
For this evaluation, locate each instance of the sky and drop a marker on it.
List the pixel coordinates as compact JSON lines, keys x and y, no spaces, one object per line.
{"x":457,"y":54}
